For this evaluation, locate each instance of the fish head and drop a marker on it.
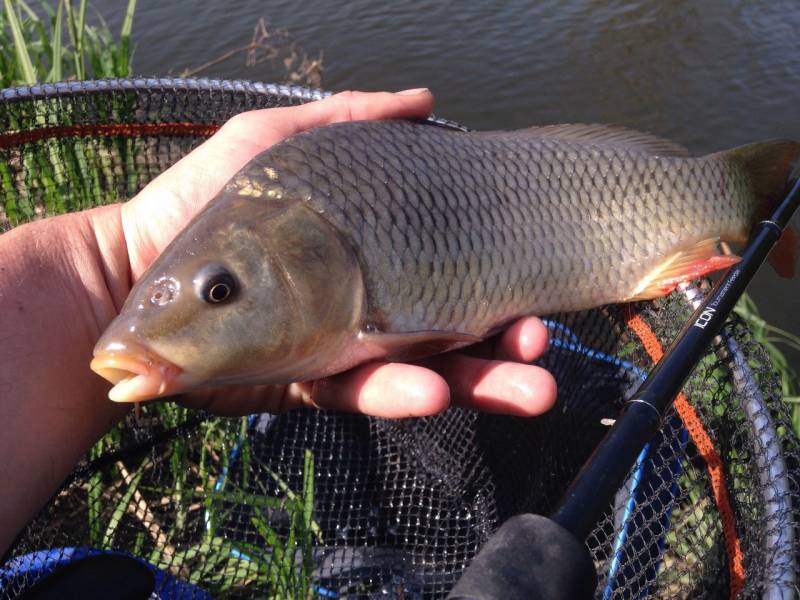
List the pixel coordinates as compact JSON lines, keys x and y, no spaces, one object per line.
{"x":252,"y":291}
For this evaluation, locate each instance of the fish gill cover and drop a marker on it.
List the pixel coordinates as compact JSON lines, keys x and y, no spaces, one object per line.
{"x":331,"y":505}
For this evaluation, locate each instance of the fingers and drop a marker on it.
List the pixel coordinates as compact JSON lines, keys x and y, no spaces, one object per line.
{"x":396,"y":390}
{"x":391,"y":390}
{"x":524,"y":341}
{"x":249,"y":133}
{"x":496,"y":386}
{"x":346,"y":106}
{"x":401,"y":390}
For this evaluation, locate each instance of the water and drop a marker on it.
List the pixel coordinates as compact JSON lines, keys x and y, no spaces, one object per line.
{"x":709,"y":75}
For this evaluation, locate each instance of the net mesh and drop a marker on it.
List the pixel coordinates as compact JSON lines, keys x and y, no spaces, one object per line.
{"x":323,"y":504}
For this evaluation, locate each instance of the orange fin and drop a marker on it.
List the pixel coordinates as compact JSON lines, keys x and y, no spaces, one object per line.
{"x":686,"y":265}
{"x":415,"y":344}
{"x":783,"y":257}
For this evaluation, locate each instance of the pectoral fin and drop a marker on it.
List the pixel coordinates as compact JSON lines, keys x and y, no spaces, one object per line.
{"x":414,"y":345}
{"x":701,"y":259}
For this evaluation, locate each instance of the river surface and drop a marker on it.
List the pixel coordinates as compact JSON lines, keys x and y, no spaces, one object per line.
{"x":710,"y":75}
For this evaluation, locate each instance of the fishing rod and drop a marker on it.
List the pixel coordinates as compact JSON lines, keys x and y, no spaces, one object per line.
{"x":532,"y":556}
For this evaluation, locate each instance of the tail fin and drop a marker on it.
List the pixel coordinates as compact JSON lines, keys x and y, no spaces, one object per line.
{"x":771,"y":165}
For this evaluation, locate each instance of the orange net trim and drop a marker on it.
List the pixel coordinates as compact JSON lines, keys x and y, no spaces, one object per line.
{"x":705,"y":446}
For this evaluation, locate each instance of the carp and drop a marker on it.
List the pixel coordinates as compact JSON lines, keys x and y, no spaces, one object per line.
{"x":397,"y":240}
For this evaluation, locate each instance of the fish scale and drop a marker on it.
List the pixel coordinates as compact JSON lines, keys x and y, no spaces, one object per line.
{"x":522,"y":223}
{"x":396,"y":240}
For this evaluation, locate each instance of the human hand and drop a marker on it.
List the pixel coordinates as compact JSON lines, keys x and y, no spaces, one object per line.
{"x":160,"y":211}
{"x":63,"y":279}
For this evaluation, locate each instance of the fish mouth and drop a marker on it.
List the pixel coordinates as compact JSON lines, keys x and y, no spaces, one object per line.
{"x":137,"y":374}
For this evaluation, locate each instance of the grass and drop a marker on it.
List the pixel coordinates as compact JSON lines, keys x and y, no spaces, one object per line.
{"x":34,"y":49}
{"x":53,"y":44}
{"x":773,"y":339}
{"x":229,"y":554}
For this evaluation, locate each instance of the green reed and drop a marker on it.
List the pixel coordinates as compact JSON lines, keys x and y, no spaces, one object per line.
{"x":773,"y":339}
{"x":35,"y":49}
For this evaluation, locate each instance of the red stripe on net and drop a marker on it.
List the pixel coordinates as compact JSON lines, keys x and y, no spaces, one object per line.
{"x":173,"y":128}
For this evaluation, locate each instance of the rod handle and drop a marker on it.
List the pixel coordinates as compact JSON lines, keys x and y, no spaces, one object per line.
{"x":529,"y":557}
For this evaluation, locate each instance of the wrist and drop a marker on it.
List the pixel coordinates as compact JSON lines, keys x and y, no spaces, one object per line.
{"x":62,"y":281}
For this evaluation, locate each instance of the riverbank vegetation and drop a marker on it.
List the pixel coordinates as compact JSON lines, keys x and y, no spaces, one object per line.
{"x":41,"y":43}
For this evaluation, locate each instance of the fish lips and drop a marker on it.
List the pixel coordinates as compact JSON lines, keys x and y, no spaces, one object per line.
{"x":138,"y":374}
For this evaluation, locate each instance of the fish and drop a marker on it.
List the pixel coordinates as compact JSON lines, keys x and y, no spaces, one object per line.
{"x":397,"y":240}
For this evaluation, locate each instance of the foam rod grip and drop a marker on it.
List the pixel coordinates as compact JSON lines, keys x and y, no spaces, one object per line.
{"x":529,"y":557}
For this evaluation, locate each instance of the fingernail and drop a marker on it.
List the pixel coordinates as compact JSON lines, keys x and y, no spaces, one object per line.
{"x":412,"y":92}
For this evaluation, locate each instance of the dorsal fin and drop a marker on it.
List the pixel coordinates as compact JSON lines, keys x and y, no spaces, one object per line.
{"x":606,"y":135}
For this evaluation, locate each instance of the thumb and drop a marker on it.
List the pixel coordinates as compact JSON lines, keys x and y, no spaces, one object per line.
{"x":155,"y":216}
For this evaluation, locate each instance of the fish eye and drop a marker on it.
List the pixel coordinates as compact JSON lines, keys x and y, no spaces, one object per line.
{"x":215,"y":284}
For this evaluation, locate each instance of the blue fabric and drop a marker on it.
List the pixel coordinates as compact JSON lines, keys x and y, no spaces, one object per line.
{"x":23,"y":571}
